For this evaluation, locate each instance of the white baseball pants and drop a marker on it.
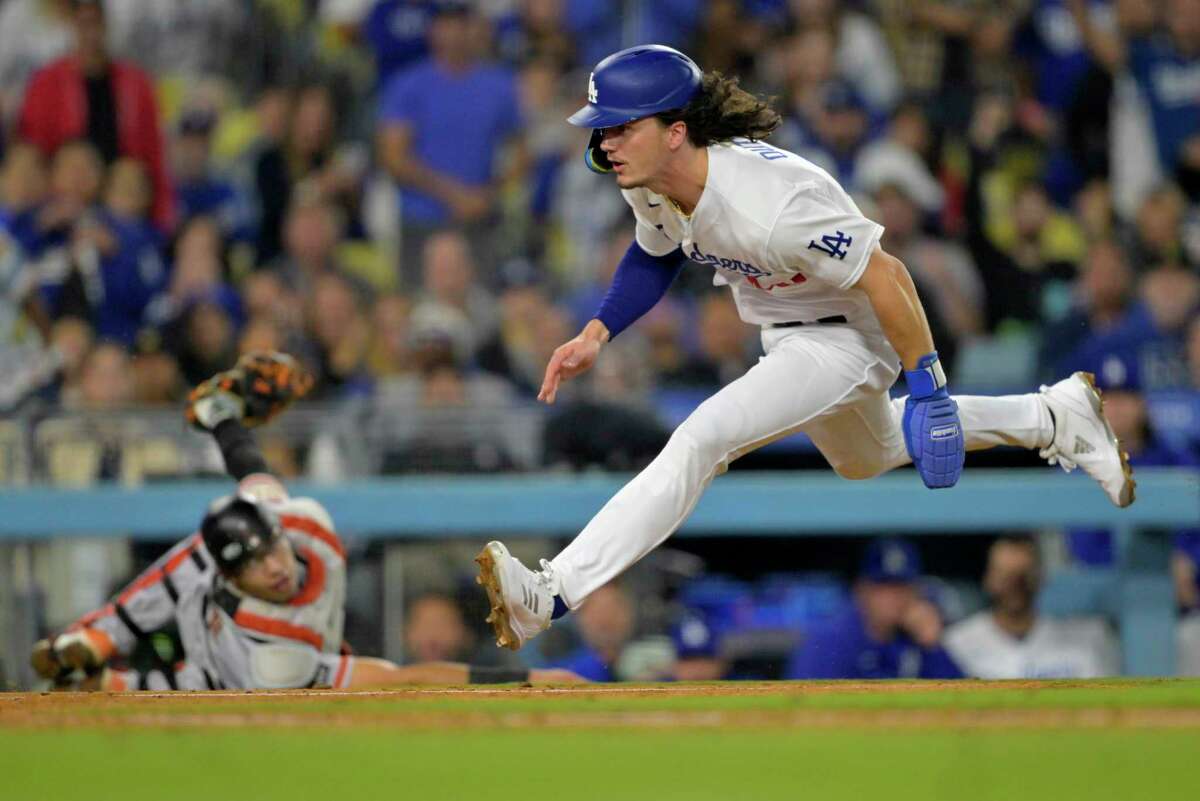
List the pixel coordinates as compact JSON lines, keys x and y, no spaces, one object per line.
{"x":830,"y":382}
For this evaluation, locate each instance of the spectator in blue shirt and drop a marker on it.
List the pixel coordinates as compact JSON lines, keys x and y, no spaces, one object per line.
{"x":889,"y":632}
{"x":1166,"y":67}
{"x":606,"y":624}
{"x":199,"y":190}
{"x":442,"y":125}
{"x":1118,"y":375}
{"x":1103,"y":298}
{"x":118,"y":255}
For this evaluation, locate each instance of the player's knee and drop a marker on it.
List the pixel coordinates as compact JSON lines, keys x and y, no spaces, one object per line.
{"x":702,"y":444}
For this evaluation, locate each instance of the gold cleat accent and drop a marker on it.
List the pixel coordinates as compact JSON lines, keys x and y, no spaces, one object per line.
{"x":1129,"y":491}
{"x":505,"y":636}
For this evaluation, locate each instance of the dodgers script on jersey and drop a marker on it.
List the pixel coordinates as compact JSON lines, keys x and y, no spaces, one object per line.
{"x":779,"y":230}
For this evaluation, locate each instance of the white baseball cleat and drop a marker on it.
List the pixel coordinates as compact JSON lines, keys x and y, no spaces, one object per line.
{"x":521,"y":600}
{"x":1083,"y":438}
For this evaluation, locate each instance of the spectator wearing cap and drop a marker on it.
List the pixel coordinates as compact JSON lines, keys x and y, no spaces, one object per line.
{"x":889,"y":631}
{"x":1010,"y":640}
{"x":110,"y":103}
{"x":1118,"y":375}
{"x":1102,"y":296}
{"x":199,"y":188}
{"x":438,"y":417}
{"x":901,"y":157}
{"x":442,"y":124}
{"x":697,"y":651}
{"x":1149,"y":337}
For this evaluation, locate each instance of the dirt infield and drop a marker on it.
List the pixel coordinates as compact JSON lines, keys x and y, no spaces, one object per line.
{"x":797,"y":705}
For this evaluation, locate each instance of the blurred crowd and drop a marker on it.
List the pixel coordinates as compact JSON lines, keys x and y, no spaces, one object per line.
{"x":883,"y":618}
{"x":388,"y":190}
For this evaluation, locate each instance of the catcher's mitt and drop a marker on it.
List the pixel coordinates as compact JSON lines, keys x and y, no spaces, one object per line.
{"x":260,"y":386}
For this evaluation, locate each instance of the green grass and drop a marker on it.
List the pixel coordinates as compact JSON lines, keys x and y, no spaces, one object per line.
{"x":387,"y":758}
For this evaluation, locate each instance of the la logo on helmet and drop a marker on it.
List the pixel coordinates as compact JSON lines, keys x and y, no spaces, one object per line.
{"x":592,"y":88}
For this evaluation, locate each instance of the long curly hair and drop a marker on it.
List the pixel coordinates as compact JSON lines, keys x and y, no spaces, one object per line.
{"x":721,"y":111}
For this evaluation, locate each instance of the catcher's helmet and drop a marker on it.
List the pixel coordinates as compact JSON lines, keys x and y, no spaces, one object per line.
{"x":236,"y":529}
{"x":631,"y":84}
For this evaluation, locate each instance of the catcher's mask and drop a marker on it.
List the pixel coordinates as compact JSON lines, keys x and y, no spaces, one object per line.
{"x":236,"y":529}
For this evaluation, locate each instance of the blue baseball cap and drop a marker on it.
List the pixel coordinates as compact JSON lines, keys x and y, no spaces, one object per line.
{"x":891,"y":560}
{"x":693,"y":638}
{"x":1117,"y":371}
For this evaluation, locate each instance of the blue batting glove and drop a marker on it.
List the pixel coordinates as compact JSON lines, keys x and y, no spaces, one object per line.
{"x":933,"y":434}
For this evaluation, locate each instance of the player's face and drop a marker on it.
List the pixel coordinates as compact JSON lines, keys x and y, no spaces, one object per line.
{"x":884,"y":603}
{"x":637,"y":150}
{"x":274,"y":576}
{"x":1011,"y":579}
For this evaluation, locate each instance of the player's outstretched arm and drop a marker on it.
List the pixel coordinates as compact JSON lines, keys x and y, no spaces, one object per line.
{"x":640,"y":282}
{"x":933,"y":434}
{"x":254,"y":392}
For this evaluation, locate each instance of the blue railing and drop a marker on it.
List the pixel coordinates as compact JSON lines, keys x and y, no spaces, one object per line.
{"x":738,"y":504}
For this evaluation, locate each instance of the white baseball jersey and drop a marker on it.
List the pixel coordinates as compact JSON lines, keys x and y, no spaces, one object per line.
{"x":1080,"y":648}
{"x":231,"y":640}
{"x":778,"y":229}
{"x":791,"y":245}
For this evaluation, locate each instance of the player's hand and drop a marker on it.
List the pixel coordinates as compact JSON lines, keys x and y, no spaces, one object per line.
{"x":933,"y":433}
{"x":923,"y":623}
{"x":61,"y":658}
{"x":569,"y":360}
{"x":468,"y":204}
{"x":258,"y":388}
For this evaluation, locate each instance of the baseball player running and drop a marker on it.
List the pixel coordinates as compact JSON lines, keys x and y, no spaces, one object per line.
{"x":258,"y":593}
{"x":839,"y":318}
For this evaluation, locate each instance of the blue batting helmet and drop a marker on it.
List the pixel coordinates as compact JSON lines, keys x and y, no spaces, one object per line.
{"x":631,"y":84}
{"x":635,"y":83}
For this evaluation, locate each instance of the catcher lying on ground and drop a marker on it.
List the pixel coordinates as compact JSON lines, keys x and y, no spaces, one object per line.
{"x":258,"y":593}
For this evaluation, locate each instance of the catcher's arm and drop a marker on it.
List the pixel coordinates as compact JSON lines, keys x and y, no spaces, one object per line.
{"x":255,"y":391}
{"x":146,"y":604}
